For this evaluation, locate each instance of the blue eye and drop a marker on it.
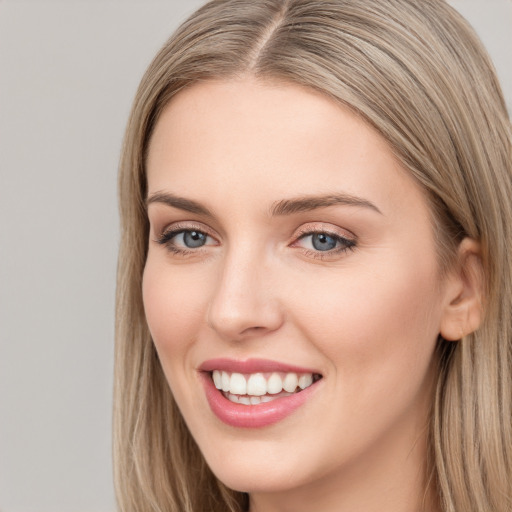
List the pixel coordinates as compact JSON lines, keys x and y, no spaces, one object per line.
{"x":193,"y":239}
{"x":323,"y":241}
{"x":180,"y":240}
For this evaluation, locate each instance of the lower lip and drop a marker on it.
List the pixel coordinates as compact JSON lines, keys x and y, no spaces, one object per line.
{"x":253,"y":416}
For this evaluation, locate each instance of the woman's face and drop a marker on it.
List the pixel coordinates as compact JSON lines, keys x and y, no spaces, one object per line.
{"x":289,"y":248}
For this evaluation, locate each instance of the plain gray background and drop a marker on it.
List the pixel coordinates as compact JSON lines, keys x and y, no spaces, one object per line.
{"x":68,"y":73}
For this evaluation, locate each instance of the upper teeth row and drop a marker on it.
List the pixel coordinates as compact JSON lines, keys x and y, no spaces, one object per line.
{"x":257,"y":384}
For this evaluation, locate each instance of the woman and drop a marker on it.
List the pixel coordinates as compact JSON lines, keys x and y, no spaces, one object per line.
{"x":314,"y":304}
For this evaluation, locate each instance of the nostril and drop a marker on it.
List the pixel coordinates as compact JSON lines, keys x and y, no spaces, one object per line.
{"x":244,"y":306}
{"x":253,"y":329}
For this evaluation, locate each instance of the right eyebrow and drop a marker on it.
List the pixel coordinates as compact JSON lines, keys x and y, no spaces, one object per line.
{"x":178,"y":202}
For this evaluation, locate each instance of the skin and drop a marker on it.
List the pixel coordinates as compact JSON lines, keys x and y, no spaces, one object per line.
{"x":366,"y":318}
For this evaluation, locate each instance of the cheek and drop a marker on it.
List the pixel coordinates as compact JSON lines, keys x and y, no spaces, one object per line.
{"x":173,"y":304}
{"x":173,"y":307}
{"x":377,"y":328}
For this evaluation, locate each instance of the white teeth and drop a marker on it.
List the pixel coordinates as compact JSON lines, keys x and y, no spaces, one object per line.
{"x":225,"y":381}
{"x":243,"y":388}
{"x":238,"y":384}
{"x":257,"y":385}
{"x":290,"y":382}
{"x":254,"y":400}
{"x":305,"y":380}
{"x":274,"y":384}
{"x":217,"y":379}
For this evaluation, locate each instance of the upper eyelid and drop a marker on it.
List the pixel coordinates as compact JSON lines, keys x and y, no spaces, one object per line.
{"x":167,"y":236}
{"x":326,"y":231}
{"x":351,"y":242}
{"x":322,"y":227}
{"x":303,"y":230}
{"x":187,"y":226}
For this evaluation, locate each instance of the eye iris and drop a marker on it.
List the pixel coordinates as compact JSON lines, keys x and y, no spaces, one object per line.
{"x":323,"y":242}
{"x":194,"y":239}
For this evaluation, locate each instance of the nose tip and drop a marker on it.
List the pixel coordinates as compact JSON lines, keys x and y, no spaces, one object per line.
{"x":234,"y":328}
{"x":243,"y":306}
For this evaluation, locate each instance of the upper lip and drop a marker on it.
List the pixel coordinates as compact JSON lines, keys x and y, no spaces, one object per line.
{"x":252,"y":366}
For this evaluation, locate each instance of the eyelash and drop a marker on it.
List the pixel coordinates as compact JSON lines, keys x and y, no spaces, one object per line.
{"x":166,"y":239}
{"x":346,"y":244}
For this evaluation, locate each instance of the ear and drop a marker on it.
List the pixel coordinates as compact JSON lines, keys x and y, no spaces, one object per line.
{"x":463,"y":312}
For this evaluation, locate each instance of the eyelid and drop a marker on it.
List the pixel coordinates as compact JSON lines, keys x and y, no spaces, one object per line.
{"x":176,"y":227}
{"x":345,"y":242}
{"x":166,"y":238}
{"x":323,"y":227}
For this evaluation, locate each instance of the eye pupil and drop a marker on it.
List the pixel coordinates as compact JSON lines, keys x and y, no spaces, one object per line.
{"x":323,"y":242}
{"x":194,"y":238}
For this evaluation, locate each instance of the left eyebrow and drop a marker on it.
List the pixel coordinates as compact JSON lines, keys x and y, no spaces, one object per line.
{"x":308,"y":203}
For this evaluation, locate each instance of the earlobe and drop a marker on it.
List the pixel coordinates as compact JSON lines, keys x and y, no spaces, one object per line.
{"x":463,"y":311}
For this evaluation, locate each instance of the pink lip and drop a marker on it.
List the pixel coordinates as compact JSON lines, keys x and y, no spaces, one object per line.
{"x":252,"y":416}
{"x":251,"y":366}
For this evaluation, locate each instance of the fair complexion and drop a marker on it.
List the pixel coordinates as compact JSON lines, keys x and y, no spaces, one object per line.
{"x":345,"y":284}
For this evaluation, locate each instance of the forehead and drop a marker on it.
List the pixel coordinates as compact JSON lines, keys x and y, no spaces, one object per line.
{"x":252,"y":142}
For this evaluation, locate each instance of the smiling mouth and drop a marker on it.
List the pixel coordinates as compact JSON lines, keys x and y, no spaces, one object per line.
{"x":259,"y":388}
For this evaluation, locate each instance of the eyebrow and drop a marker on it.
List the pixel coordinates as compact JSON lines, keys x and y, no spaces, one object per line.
{"x":279,"y":208}
{"x":308,"y":203}
{"x":178,"y":202}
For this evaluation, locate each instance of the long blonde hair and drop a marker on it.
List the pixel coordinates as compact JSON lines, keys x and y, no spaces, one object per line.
{"x":416,"y":72}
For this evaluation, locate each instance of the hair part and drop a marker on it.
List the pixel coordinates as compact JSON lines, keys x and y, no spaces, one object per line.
{"x":418,"y":74}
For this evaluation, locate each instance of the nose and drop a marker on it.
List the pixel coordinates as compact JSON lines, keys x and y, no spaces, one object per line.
{"x":245,"y":302}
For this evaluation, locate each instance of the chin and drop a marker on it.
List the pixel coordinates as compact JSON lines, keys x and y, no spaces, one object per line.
{"x":270,"y":466}
{"x":258,"y":480}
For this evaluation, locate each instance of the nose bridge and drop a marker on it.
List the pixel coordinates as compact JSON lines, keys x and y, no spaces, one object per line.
{"x":244,"y":302}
